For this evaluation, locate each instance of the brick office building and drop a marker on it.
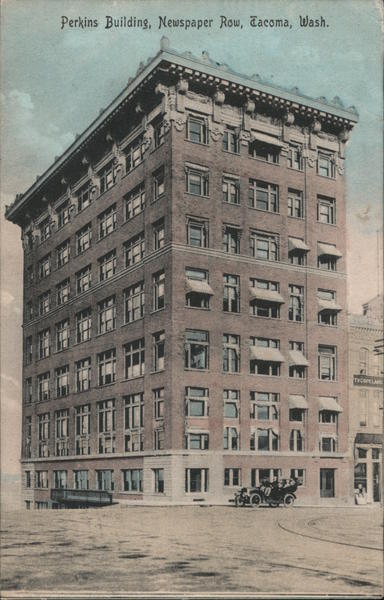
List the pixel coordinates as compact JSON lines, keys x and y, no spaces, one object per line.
{"x":184,"y":293}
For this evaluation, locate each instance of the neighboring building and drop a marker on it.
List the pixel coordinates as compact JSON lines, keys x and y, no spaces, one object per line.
{"x":185,"y":294}
{"x":366,"y":380}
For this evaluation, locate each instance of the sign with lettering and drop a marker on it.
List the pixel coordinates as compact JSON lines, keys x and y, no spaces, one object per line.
{"x":369,"y":380}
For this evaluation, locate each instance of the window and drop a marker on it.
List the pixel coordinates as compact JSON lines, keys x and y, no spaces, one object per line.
{"x":106,"y":221}
{"x":44,"y":435}
{"x":265,"y":357}
{"x":62,"y":254}
{"x":231,"y":239}
{"x":158,"y":403}
{"x":158,"y":439}
{"x":197,"y":233}
{"x":298,"y":474}
{"x":196,"y":402}
{"x":296,"y":414}
{"x":298,"y":362}
{"x":327,"y":363}
{"x":259,"y":476}
{"x":197,"y":129}
{"x":28,"y":391}
{"x":107,"y":177}
{"x":62,"y":432}
{"x":264,"y":406}
{"x":158,"y":350}
{"x":62,"y":335}
{"x":296,"y":441}
{"x":264,"y":246}
{"x":265,"y":440}
{"x":231,"y":353}
{"x":363,"y":407}
{"x":107,"y":265}
{"x":29,"y":275}
{"x":41,"y":479}
{"x":327,"y":262}
{"x":326,"y":210}
{"x":158,"y":233}
{"x":63,"y":214}
{"x":158,"y":475}
{"x":295,"y":157}
{"x":296,"y":303}
{"x":41,"y":505}
{"x":231,"y":439}
{"x":84,"y":197}
{"x":44,"y":303}
{"x":84,"y":238}
{"x":264,"y":151}
{"x":231,"y":189}
{"x":62,"y":381}
{"x":158,"y":283}
{"x":330,"y":416}
{"x":28,"y":350}
{"x":135,"y":202}
{"x":158,"y":132}
{"x":105,"y":480}
{"x":295,"y":204}
{"x":197,"y":180}
{"x":328,"y":308}
{"x":83,"y":325}
{"x":134,"y":359}
{"x":134,"y":422}
{"x":196,"y":351}
{"x":231,"y":293}
{"x":106,"y":426}
{"x":197,"y":441}
{"x":326,"y":166}
{"x":107,"y":315}
{"x":297,"y":251}
{"x":134,"y":250}
{"x":363,"y":361}
{"x":134,"y":302}
{"x":231,"y":404}
{"x":63,"y":292}
{"x":81,"y":480}
{"x":232,"y":477}
{"x":83,"y":279}
{"x":133,"y":480}
{"x":44,"y":338}
{"x":199,"y":291}
{"x":265,"y":298}
{"x":28,"y":438}
{"x":27,"y":479}
{"x":83,"y":429}
{"x":83,"y":375}
{"x":44,"y":266}
{"x":328,"y":443}
{"x":29,"y":311}
{"x":196,"y":480}
{"x":106,"y":367}
{"x":231,"y":142}
{"x":43,"y":387}
{"x":134,"y":154}
{"x":45,"y":229}
{"x":158,"y":184}
{"x":263,"y":196}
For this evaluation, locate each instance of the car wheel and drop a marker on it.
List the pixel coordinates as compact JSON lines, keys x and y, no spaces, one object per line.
{"x":288,"y":500}
{"x":255,"y":500}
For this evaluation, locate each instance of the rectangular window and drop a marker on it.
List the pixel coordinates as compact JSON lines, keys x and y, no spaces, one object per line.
{"x":158,"y":475}
{"x":328,"y":308}
{"x":107,"y":315}
{"x":231,"y":189}
{"x":265,"y":440}
{"x":196,"y":480}
{"x":363,"y":407}
{"x":231,"y":141}
{"x":41,"y":479}
{"x":231,"y":439}
{"x":134,"y":154}
{"x":231,"y":293}
{"x":28,"y":350}
{"x":81,"y":480}
{"x":63,"y":214}
{"x":197,"y":181}
{"x":231,"y":353}
{"x":196,"y":350}
{"x":158,"y":184}
{"x":106,"y":426}
{"x":84,"y":238}
{"x":107,"y":265}
{"x":198,"y":290}
{"x":263,"y":195}
{"x":84,"y":197}
{"x":83,"y":325}
{"x":62,"y":381}
{"x":62,"y":254}
{"x":84,"y":279}
{"x":231,"y":239}
{"x":327,"y":363}
{"x":28,"y":391}
{"x":43,"y":387}
{"x":158,"y":289}
{"x":264,"y":406}
{"x":44,"y":338}
{"x":259,"y":476}
{"x":196,"y":402}
{"x":134,"y":302}
{"x":44,"y":303}
{"x":264,"y":151}
{"x":232,"y":477}
{"x":231,"y":400}
{"x":134,"y":359}
{"x":328,"y":444}
{"x":83,"y":429}
{"x":133,"y":480}
{"x":296,"y":303}
{"x":327,"y":483}
{"x":326,"y":164}
{"x":265,"y":298}
{"x":62,"y":335}
{"x":106,"y":367}
{"x":197,"y":129}
{"x":298,"y":362}
{"x":105,"y":480}
{"x":158,"y":439}
{"x":134,"y":250}
{"x":295,"y":204}
{"x":158,"y":404}
{"x":197,"y":233}
{"x":106,"y":221}
{"x":299,"y":474}
{"x":134,"y":422}
{"x":62,"y":432}
{"x":295,"y":157}
{"x":27,"y":479}
{"x":44,"y":266}
{"x":263,"y":361}
{"x":158,"y":350}
{"x":197,"y":441}
{"x":44,"y":433}
{"x":28,"y":438}
{"x":296,"y":441}
{"x":158,"y":132}
{"x":45,"y":229}
{"x":107,"y":177}
{"x":63,"y":291}
{"x":158,"y":235}
{"x":135,"y":202}
{"x":326,"y":210}
{"x":264,"y":246}
{"x":83,"y":375}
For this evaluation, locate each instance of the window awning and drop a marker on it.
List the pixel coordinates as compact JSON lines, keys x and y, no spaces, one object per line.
{"x":267,"y":354}
{"x":200,"y":287}
{"x":267,"y":139}
{"x":266,"y":295}
{"x":297,"y":402}
{"x":330,"y":305}
{"x":369,"y":438}
{"x":297,"y":244}
{"x":298,"y":358}
{"x":327,"y":403}
{"x":329,"y":250}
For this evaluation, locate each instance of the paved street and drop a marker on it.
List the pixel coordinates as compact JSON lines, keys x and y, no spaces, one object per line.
{"x":194,"y":549}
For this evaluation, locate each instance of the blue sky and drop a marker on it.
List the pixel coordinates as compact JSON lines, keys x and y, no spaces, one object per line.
{"x":54,"y":82}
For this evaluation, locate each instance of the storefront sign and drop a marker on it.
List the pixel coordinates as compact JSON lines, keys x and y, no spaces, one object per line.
{"x":368,"y":380}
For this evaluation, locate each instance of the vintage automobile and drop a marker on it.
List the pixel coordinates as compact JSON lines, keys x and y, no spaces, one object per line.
{"x":270,"y":494}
